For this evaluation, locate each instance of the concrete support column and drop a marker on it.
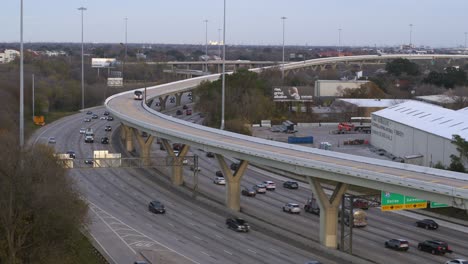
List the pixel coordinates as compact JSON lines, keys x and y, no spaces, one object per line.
{"x":145,"y":146}
{"x":162,"y":102}
{"x":328,"y":211}
{"x":177,"y":176}
{"x":178,"y":97}
{"x":122,"y":132}
{"x":233,"y":181}
{"x":129,"y":138}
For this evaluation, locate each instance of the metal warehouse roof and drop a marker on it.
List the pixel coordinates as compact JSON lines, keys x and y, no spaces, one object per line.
{"x":372,"y":102}
{"x":429,"y":118}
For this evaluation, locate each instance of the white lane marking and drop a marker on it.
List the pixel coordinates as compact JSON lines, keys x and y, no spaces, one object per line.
{"x":171,"y":225}
{"x":197,"y":238}
{"x":227,"y":252}
{"x":218,"y":236}
{"x":205,"y":253}
{"x":93,"y":208}
{"x":103,"y":248}
{"x":272,"y":249}
{"x":252,"y":251}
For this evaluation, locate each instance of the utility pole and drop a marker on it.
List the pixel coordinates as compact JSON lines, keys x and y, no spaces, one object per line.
{"x":34,"y":113}
{"x":223,"y":79}
{"x":82,"y":9}
{"x":125,"y":58}
{"x":339,"y":42}
{"x":219,"y":42}
{"x":21,"y":128}
{"x":282,"y":66}
{"x":411,"y":35}
{"x":206,"y":44}
{"x":465,"y":40}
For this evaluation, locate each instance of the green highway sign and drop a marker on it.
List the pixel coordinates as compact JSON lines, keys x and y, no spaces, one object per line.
{"x":438,"y":205}
{"x":394,"y":201}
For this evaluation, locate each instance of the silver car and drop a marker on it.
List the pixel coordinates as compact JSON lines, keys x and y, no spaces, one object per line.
{"x":292,"y":208}
{"x":260,"y":188}
{"x":219,"y":181}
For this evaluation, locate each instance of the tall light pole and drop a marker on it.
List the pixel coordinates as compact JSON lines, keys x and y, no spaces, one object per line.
{"x":219,"y":42}
{"x":206,"y":44}
{"x":21,"y":128}
{"x":223,"y":79}
{"x":125,"y":58}
{"x":339,"y":42}
{"x":282,"y":66}
{"x":33,"y":102}
{"x":411,"y":35}
{"x":82,"y":9}
{"x":465,"y":40}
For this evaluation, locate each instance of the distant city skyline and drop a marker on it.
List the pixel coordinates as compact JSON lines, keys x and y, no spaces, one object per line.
{"x":435,"y":23}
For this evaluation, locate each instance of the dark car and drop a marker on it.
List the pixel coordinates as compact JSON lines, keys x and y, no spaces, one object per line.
{"x":71,"y":153}
{"x":398,"y":244}
{"x":105,"y":140}
{"x":188,"y":112}
{"x":106,"y":113}
{"x":210,"y":154}
{"x":290,"y":185}
{"x":219,"y":174}
{"x":107,"y":128}
{"x":237,"y":224}
{"x":179,"y":112}
{"x":89,"y":161}
{"x":110,"y":118}
{"x":156,"y":207}
{"x":435,"y":247}
{"x":361,"y":204}
{"x":184,"y":107}
{"x":234,"y":166}
{"x":248,"y":192}
{"x":94,"y":116}
{"x":427,"y":224}
{"x":89,"y":113}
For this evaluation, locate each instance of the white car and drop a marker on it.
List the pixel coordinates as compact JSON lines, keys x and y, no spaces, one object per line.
{"x":52,"y":140}
{"x":103,"y":118}
{"x":270,"y":186}
{"x":457,"y":261}
{"x":219,"y":181}
{"x":292,"y":208}
{"x":260,"y":188}
{"x":82,"y":130}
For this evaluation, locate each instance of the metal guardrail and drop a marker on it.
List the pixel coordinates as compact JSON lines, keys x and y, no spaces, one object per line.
{"x":98,"y":163}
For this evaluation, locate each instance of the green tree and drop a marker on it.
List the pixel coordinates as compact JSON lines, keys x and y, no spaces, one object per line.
{"x":399,"y":66}
{"x":367,"y":90}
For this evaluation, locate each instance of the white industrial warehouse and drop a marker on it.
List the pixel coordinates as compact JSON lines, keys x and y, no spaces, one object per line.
{"x":421,"y":133}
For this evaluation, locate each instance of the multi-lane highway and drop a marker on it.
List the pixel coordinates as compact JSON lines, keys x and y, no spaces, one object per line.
{"x":122,"y":224}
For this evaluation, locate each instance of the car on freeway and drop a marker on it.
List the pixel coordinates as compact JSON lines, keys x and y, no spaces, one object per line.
{"x":234,"y":166}
{"x":260,"y":188}
{"x":435,"y":247}
{"x":107,"y":128}
{"x":94,"y":116}
{"x":210,"y":154}
{"x":82,"y":130}
{"x":106,"y":113}
{"x":87,"y":120}
{"x":184,"y":107}
{"x":140,"y":262}
{"x":89,"y":161}
{"x":248,"y":192}
{"x":156,"y":207}
{"x":457,"y":261}
{"x":52,"y":140}
{"x":270,"y":186}
{"x":219,"y":181}
{"x":219,"y":173}
{"x":71,"y":154}
{"x":313,"y":262}
{"x":292,"y":208}
{"x":237,"y":224}
{"x":103,"y":118}
{"x":188,"y":112}
{"x":398,"y":244}
{"x":427,"y":224}
{"x":105,"y":140}
{"x":179,"y":112}
{"x":290,"y":185}
{"x":110,"y":118}
{"x":361,"y":204}
{"x":89,"y":113}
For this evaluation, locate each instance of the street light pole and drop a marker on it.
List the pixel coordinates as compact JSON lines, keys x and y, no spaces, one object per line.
{"x":34,"y":113}
{"x":411,"y":35}
{"x":223,"y":79}
{"x":339,"y":42}
{"x":219,"y":42}
{"x":21,"y":128}
{"x":126,"y":44}
{"x":82,"y":9}
{"x":282,"y":66}
{"x":206,"y":44}
{"x":465,"y":40}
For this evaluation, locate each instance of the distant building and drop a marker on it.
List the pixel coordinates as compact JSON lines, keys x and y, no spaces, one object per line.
{"x":140,"y":56}
{"x":418,"y":132}
{"x":8,"y":55}
{"x":364,"y":107}
{"x":439,"y":99}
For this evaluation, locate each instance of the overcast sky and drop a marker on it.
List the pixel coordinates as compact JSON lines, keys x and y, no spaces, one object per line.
{"x":438,"y":23}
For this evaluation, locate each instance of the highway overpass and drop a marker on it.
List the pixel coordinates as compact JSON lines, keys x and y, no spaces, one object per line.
{"x":314,"y":165}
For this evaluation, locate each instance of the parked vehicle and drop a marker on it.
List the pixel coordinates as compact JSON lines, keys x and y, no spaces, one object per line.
{"x":435,"y":247}
{"x":427,"y":224}
{"x":156,"y":207}
{"x":348,"y":127}
{"x":457,"y":261}
{"x":270,"y":186}
{"x":290,"y":185}
{"x":312,"y":206}
{"x":398,"y":244}
{"x":219,"y":181}
{"x":259,"y":188}
{"x":248,"y":192}
{"x":237,"y":224}
{"x":292,"y":208}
